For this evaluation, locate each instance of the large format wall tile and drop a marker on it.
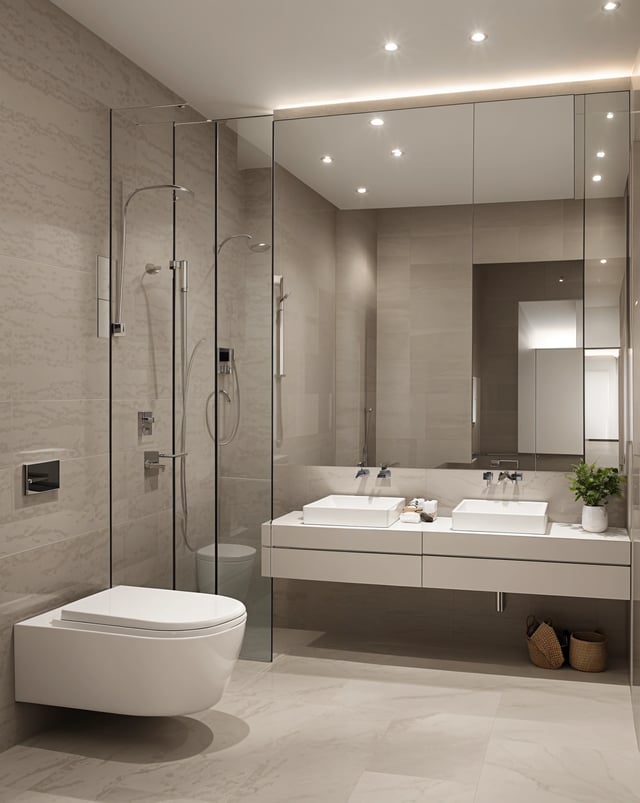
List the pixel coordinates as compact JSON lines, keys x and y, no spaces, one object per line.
{"x":58,"y":82}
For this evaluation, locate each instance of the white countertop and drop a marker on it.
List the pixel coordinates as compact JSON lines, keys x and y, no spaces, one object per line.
{"x":563,"y":542}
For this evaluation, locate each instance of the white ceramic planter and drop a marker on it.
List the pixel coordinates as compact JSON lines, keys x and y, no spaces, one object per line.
{"x":595,"y":518}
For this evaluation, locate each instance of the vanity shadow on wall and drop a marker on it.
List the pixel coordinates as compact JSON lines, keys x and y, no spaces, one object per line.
{"x":457,"y":284}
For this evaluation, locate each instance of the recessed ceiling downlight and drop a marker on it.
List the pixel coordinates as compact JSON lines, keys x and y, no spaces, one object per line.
{"x":600,"y":154}
{"x":376,"y":121}
{"x":609,"y":115}
{"x":478,"y":36}
{"x":391,"y":47}
{"x":361,"y":190}
{"x":603,"y":261}
{"x":326,"y":159}
{"x":597,"y":177}
{"x":610,"y":6}
{"x":397,"y":152}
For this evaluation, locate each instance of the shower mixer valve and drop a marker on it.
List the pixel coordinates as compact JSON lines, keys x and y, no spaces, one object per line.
{"x":152,"y":458}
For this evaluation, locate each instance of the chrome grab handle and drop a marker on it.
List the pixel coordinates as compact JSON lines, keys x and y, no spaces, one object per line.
{"x":152,"y":458}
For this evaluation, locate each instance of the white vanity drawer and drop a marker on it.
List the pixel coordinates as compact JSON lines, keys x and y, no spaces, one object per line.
{"x":527,"y":577}
{"x":347,"y":567}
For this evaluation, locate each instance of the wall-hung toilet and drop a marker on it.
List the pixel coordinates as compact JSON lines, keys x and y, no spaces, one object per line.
{"x":235,"y":569}
{"x":129,"y":650}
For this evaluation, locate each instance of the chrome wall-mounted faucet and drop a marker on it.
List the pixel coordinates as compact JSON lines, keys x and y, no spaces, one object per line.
{"x":385,"y":471}
{"x":362,"y":471}
{"x":514,"y":476}
{"x":487,"y":476}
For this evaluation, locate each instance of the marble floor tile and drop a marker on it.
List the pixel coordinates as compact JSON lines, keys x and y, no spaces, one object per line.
{"x":17,"y":796}
{"x":568,"y":714}
{"x":344,"y":730}
{"x":526,"y":773}
{"x":401,"y":700}
{"x":379,"y":787}
{"x":442,"y":746}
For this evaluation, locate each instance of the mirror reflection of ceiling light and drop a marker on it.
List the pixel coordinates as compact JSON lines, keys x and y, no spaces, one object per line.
{"x":397,"y":152}
{"x":561,"y":279}
{"x":376,"y":121}
{"x":609,"y":115}
{"x":326,"y":159}
{"x":610,"y":6}
{"x":597,"y":177}
{"x":391,"y":47}
{"x":361,"y":190}
{"x":600,"y":154}
{"x":478,"y":36}
{"x":603,"y":261}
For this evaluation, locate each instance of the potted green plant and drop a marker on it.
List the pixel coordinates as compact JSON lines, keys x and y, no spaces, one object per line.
{"x":594,"y":486}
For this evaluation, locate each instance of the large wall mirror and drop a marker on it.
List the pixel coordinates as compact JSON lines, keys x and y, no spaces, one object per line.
{"x":451,"y":284}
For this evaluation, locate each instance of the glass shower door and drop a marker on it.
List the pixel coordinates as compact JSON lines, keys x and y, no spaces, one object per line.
{"x":244,"y":369}
{"x":191,"y":360}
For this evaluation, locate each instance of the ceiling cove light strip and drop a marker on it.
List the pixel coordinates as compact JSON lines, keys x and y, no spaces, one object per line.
{"x":452,"y":90}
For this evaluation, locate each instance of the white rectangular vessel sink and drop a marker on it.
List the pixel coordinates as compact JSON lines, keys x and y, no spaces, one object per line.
{"x":498,"y":516}
{"x":354,"y":511}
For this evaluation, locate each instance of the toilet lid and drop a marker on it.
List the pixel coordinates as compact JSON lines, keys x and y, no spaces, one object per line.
{"x":227,"y":552}
{"x":154,"y":609}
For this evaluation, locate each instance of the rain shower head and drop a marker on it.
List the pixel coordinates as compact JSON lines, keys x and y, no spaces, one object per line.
{"x":260,"y":248}
{"x":257,"y":248}
{"x":175,"y":187}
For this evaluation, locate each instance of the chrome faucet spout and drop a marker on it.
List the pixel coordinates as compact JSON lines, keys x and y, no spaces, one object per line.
{"x":362,"y":471}
{"x":514,"y":476}
{"x":385,"y":471}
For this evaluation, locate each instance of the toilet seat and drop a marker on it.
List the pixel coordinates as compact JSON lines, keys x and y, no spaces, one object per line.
{"x":154,"y":609}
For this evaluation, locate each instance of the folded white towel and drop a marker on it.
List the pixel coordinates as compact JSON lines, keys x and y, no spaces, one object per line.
{"x":410,"y":518}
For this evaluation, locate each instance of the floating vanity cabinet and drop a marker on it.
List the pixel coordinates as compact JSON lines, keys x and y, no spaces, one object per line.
{"x":390,"y":556}
{"x":565,"y":561}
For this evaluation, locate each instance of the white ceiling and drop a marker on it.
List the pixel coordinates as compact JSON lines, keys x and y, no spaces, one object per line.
{"x":234,"y":57}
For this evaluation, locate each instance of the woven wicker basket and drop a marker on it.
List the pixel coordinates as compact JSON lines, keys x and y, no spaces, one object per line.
{"x":588,"y":651}
{"x":544,"y":647}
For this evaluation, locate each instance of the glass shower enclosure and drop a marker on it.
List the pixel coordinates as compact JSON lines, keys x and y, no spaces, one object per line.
{"x":190,"y":377}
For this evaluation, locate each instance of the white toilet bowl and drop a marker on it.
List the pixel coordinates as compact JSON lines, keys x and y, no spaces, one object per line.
{"x":129,"y":650}
{"x":235,"y":569}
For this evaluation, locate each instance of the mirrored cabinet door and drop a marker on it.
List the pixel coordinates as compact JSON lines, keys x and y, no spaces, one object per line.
{"x":443,"y":299}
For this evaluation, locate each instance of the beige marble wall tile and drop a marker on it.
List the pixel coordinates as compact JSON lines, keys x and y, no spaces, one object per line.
{"x":59,"y":81}
{"x":34,"y":581}
{"x":424,"y":335}
{"x":527,"y":232}
{"x":81,"y":505}
{"x":305,"y":256}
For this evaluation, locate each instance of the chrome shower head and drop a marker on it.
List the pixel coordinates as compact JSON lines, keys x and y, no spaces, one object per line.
{"x":175,"y":187}
{"x":257,"y":248}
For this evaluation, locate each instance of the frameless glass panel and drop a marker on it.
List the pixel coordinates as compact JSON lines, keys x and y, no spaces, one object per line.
{"x":241,"y":408}
{"x":373,"y":241}
{"x":194,"y":358}
{"x":527,"y":286}
{"x":606,"y":182}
